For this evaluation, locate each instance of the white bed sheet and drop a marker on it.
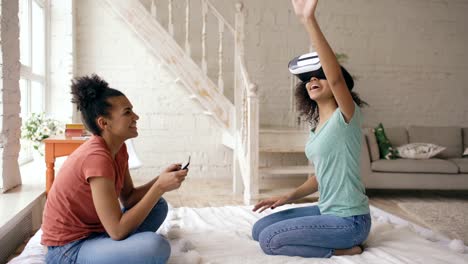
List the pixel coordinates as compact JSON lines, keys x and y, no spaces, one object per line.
{"x":223,"y":235}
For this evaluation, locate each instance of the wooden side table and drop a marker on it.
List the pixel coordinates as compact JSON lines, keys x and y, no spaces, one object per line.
{"x":57,"y":147}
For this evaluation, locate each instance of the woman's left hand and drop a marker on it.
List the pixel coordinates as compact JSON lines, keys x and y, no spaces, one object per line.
{"x":173,"y":167}
{"x":304,"y":9}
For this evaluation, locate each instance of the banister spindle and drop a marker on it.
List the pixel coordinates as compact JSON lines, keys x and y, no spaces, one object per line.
{"x":187,"y":27}
{"x":153,"y":9}
{"x":220,"y":56}
{"x":170,"y":23}
{"x":205,"y":19}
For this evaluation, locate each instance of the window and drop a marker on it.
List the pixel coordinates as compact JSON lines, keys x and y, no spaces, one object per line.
{"x":33,"y":51}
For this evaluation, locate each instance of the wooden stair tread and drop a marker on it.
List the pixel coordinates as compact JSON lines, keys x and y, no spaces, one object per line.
{"x":283,"y":129}
{"x":282,"y":139}
{"x":305,"y":169}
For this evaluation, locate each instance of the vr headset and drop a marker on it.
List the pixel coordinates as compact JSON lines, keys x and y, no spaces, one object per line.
{"x":308,"y":65}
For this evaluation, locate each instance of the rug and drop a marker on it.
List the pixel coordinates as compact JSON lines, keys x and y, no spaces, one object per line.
{"x":449,"y":217}
{"x":223,"y":235}
{"x":213,"y":235}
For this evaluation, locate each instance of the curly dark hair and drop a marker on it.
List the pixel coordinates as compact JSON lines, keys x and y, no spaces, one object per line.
{"x":308,"y":108}
{"x":90,"y":94}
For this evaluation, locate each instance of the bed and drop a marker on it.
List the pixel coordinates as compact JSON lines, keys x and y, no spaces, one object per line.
{"x":222,"y":235}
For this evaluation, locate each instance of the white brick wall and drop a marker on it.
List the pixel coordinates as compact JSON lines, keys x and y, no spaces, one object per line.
{"x":409,"y":57}
{"x":10,"y":121}
{"x":171,"y":125}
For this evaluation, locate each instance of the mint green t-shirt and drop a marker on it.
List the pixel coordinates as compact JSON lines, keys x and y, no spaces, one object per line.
{"x":335,"y":151}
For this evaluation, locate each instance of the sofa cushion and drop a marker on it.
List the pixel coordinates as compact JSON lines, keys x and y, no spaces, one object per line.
{"x":372,"y":145}
{"x":462,"y":164}
{"x":415,"y":166}
{"x":449,"y":137}
{"x":398,"y":136}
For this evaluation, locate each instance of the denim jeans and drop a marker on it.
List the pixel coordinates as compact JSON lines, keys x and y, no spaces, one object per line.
{"x":142,"y":246}
{"x":307,"y":233}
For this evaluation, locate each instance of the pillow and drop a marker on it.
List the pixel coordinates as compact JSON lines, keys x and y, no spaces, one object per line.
{"x":419,"y":150}
{"x":386,"y":149}
{"x":465,"y":154}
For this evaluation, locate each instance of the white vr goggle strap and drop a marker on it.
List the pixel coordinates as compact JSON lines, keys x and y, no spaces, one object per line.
{"x":308,"y":65}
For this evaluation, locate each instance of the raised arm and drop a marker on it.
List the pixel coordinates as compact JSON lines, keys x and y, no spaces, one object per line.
{"x":305,"y":10}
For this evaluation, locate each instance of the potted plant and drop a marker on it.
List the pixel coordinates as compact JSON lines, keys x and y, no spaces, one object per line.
{"x":39,"y":127}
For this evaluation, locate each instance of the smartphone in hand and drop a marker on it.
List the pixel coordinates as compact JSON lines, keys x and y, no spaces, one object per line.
{"x":184,"y":167}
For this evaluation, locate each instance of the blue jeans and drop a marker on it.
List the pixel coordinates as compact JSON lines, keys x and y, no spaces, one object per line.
{"x":142,"y":246}
{"x":307,"y":233}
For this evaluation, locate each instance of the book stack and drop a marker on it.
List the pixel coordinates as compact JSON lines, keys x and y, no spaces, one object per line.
{"x":75,"y":130}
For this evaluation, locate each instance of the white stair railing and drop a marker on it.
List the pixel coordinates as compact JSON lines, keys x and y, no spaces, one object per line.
{"x":246,"y":116}
{"x":163,"y":46}
{"x":207,"y":9}
{"x":246,"y":120}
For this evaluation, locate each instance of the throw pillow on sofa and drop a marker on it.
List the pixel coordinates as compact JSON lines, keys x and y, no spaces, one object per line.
{"x":385,"y":147}
{"x":419,"y":150}
{"x":465,"y":154}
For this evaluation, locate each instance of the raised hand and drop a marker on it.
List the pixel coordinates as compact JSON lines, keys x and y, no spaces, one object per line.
{"x":272,"y":203}
{"x":169,"y":181}
{"x":173,"y":167}
{"x":304,"y":9}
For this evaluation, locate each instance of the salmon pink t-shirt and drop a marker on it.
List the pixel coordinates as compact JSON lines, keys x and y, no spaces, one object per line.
{"x":69,"y":213}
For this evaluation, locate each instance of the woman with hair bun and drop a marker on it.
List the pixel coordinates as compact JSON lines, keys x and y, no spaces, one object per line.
{"x":341,"y":222}
{"x":83,"y":221}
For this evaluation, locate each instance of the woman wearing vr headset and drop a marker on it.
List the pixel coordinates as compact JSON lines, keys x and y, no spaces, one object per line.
{"x":341,"y":222}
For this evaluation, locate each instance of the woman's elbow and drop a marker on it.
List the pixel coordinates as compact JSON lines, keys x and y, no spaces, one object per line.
{"x":117,"y":234}
{"x":117,"y":237}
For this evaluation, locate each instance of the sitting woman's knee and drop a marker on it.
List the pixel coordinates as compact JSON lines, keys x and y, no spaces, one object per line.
{"x":256,"y":231}
{"x":156,"y":245}
{"x":258,"y":227}
{"x":164,"y":248}
{"x":265,"y":244}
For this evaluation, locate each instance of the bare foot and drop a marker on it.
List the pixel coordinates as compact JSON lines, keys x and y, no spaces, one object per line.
{"x":349,"y":251}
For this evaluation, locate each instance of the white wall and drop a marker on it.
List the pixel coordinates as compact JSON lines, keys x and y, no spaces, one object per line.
{"x":409,"y":56}
{"x":171,"y":125}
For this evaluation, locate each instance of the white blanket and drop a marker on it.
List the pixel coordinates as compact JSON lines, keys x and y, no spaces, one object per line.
{"x":223,"y":235}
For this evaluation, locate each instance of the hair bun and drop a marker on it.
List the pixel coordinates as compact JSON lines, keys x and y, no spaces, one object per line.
{"x":87,"y":89}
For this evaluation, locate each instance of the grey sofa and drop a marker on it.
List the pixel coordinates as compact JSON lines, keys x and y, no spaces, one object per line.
{"x":446,"y":171}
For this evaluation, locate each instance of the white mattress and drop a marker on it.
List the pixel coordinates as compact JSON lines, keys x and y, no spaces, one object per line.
{"x":223,"y":235}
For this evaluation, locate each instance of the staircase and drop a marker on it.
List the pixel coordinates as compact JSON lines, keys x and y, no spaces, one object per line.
{"x":238,"y":116}
{"x":284,"y":140}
